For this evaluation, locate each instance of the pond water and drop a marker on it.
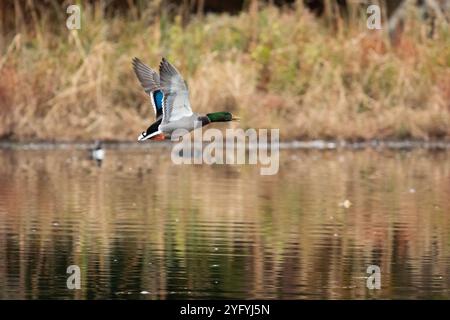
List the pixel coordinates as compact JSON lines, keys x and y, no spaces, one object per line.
{"x":140,"y":227}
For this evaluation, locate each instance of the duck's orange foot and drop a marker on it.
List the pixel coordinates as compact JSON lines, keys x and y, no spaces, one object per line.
{"x":158,"y":137}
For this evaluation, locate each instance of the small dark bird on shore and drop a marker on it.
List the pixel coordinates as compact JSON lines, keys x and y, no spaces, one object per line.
{"x":98,"y":153}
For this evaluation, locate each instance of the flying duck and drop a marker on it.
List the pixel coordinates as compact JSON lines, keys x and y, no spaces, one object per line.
{"x":169,"y":96}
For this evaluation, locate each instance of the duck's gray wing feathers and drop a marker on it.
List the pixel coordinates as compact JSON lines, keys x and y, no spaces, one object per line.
{"x":176,"y":103}
{"x":149,"y":80}
{"x":148,"y":77}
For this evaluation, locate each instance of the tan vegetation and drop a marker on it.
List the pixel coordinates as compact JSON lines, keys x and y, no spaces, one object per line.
{"x":274,"y":67}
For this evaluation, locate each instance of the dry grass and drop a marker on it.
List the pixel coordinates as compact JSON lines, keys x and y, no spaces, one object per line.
{"x":275,"y":68}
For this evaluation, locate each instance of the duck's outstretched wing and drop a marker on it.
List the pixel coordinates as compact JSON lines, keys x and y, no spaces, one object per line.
{"x":176,"y":103}
{"x":150,"y":81}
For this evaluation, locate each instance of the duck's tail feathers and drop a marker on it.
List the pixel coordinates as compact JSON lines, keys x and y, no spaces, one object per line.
{"x":144,"y":137}
{"x":151,"y":131}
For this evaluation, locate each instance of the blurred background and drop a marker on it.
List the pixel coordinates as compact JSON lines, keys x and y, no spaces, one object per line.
{"x":141,"y":227}
{"x":309,"y":67}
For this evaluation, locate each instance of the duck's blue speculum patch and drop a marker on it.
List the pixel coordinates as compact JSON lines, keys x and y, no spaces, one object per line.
{"x":158,"y":99}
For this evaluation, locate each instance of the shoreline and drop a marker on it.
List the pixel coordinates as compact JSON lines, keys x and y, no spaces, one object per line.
{"x":283,"y":145}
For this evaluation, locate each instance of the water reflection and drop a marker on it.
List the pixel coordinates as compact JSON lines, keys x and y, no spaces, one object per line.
{"x":141,"y":227}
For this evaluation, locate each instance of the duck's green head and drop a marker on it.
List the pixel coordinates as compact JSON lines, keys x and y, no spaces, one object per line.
{"x":222,"y":116}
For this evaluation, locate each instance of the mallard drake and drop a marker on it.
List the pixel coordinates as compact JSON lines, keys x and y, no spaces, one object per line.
{"x":169,"y":95}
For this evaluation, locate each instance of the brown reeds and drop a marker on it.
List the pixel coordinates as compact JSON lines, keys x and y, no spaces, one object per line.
{"x":281,"y":68}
